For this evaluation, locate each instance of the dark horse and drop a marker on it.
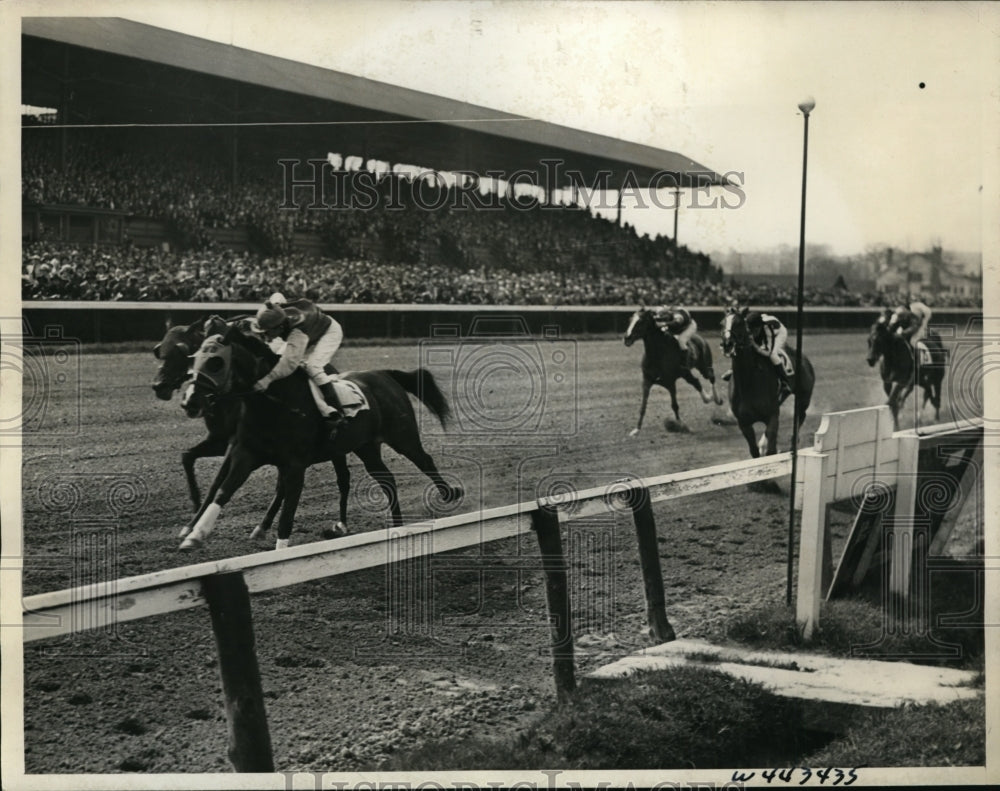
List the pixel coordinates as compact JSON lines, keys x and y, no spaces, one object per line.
{"x":754,"y":387}
{"x":174,"y":353}
{"x":283,"y":427}
{"x":664,"y":362}
{"x":900,"y":370}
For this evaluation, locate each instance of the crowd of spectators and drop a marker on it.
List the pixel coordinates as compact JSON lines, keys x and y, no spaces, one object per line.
{"x":398,"y":250}
{"x":54,"y":271}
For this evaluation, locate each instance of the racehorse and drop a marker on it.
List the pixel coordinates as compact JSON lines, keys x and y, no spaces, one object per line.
{"x":754,"y":387}
{"x":901,"y":369}
{"x":283,"y":427}
{"x":174,"y":353}
{"x":664,"y":362}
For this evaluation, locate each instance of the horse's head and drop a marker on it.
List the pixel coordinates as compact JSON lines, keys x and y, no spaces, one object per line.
{"x":225,"y":365}
{"x":174,"y":353}
{"x":878,"y":337}
{"x":735,"y":333}
{"x":638,"y":325}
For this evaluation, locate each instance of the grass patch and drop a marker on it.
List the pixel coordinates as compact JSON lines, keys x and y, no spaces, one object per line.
{"x":857,"y":628}
{"x":683,"y":717}
{"x":933,"y":735}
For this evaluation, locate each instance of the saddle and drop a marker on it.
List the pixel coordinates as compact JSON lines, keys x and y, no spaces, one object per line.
{"x":786,"y":362}
{"x":352,"y":400}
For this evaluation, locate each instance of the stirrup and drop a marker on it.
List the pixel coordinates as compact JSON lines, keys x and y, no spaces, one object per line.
{"x":727,"y":376}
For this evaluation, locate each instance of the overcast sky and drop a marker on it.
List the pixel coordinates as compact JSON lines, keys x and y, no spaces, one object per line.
{"x":889,"y":161}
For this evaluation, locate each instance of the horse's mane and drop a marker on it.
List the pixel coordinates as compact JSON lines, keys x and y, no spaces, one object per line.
{"x":254,"y":345}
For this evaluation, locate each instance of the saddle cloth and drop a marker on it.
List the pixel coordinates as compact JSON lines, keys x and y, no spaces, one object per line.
{"x":786,"y":362}
{"x":924,"y":352}
{"x":351,"y":398}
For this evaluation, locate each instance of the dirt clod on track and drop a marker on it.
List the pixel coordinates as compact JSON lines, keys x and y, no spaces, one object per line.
{"x":360,"y":666}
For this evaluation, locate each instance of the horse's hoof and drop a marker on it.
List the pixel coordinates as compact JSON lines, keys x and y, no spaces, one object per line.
{"x":191,"y":543}
{"x":633,"y":432}
{"x":184,"y":531}
{"x":339,"y":530}
{"x":455,"y":494}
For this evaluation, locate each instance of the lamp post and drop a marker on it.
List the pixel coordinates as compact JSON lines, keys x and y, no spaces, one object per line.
{"x":806,"y":107}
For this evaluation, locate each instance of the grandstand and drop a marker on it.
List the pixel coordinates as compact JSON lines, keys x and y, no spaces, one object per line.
{"x":179,"y":169}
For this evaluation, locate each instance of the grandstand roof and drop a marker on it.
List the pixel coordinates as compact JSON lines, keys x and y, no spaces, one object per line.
{"x":121,"y":72}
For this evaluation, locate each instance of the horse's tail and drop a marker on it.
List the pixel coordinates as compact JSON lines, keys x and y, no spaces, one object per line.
{"x":422,"y":384}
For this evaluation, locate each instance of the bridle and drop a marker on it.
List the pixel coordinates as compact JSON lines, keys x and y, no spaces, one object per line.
{"x":733,"y":340}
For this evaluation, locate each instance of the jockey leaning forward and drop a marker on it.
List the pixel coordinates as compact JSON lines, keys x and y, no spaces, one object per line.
{"x":769,"y":337}
{"x":910,"y":321}
{"x":678,"y":322}
{"x":311,"y":339}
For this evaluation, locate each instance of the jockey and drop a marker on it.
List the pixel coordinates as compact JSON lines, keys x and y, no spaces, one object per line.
{"x":311,"y":339}
{"x":679,"y":323}
{"x":769,"y":336}
{"x":910,"y":321}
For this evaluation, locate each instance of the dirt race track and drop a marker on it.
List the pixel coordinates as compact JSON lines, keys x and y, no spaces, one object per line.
{"x":348,"y":677}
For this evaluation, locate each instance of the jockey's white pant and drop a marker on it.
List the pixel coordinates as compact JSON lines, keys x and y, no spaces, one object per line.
{"x":686,"y":334}
{"x":319,"y":355}
{"x":778,"y":340}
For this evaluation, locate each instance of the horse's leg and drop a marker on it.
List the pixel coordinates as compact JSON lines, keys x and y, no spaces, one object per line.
{"x":687,"y":376}
{"x":220,"y":476}
{"x":751,"y":437}
{"x":292,"y":480}
{"x":703,"y":363}
{"x":371,"y":456}
{"x":672,"y":389}
{"x":771,"y":433}
{"x":344,"y":485}
{"x":212,"y":445}
{"x":272,"y":511}
{"x":240,"y":467}
{"x":646,"y":386}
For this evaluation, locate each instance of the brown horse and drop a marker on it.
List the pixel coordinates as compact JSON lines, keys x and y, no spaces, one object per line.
{"x":283,"y":427}
{"x":754,"y":389}
{"x":664,"y":362}
{"x":174,"y":353}
{"x":900,"y":368}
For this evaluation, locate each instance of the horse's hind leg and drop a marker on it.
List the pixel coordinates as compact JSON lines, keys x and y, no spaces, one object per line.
{"x":344,"y":487}
{"x":292,"y":480}
{"x":413,"y":449}
{"x":371,"y":457}
{"x":689,"y":377}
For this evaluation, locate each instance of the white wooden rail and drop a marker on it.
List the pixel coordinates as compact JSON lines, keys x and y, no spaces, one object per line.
{"x":852,"y":451}
{"x":51,"y":614}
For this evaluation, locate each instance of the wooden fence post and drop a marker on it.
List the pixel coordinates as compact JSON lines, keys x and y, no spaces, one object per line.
{"x":232,"y":622}
{"x":649,"y":559}
{"x":813,"y":540}
{"x":545,"y":523}
{"x":903,"y":522}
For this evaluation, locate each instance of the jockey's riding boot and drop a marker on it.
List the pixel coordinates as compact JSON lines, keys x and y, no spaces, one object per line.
{"x":784,"y":382}
{"x":335,"y":418}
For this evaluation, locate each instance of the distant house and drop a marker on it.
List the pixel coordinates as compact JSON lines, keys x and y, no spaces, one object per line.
{"x":926,"y":273}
